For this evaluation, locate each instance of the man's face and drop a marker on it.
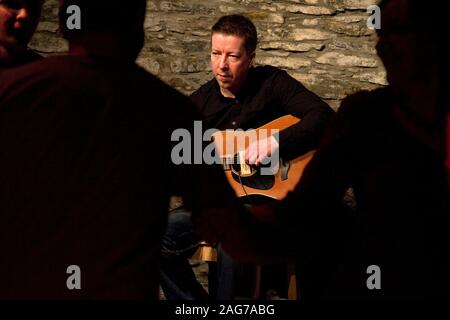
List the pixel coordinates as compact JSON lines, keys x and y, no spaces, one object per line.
{"x":230,"y":62}
{"x":18,"y":21}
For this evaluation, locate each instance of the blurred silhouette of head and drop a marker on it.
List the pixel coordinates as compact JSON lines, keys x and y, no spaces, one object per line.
{"x":412,"y":40}
{"x":18,"y":22}
{"x":106,"y":21}
{"x":412,"y":44}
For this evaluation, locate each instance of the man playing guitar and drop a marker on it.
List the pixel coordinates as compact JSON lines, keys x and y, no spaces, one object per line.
{"x":242,"y":96}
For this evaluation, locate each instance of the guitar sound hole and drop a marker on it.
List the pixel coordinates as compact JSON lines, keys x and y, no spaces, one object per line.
{"x":256,"y":181}
{"x":236,"y":169}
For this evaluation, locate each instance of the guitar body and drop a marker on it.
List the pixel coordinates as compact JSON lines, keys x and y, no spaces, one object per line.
{"x":247,"y":180}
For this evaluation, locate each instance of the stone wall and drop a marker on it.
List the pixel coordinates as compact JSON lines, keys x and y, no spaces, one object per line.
{"x":323,"y":43}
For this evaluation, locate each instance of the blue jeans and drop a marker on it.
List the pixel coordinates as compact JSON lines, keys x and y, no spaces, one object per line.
{"x":178,"y":280}
{"x":228,"y":274}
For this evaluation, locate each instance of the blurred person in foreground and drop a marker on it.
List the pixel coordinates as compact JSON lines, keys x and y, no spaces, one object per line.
{"x":86,"y":169}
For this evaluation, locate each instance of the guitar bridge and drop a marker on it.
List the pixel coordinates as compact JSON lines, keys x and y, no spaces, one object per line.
{"x":245,"y":168}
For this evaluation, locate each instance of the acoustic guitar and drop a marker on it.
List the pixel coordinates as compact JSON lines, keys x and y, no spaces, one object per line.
{"x":248,"y":180}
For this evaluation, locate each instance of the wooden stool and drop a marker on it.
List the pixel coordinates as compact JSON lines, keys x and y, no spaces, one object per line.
{"x":293,"y":292}
{"x":205,"y":252}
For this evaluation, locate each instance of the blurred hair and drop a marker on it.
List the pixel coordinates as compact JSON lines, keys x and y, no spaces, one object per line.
{"x":428,"y":21}
{"x":428,"y":18}
{"x":110,"y":16}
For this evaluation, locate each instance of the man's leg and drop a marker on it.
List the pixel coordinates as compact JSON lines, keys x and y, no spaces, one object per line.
{"x":229,"y":273}
{"x":234,"y":278}
{"x":178,"y":280}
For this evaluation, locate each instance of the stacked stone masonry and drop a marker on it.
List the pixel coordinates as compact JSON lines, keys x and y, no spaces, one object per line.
{"x":325,"y":44}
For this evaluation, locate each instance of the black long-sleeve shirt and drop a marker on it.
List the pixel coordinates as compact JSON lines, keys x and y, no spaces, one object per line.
{"x":267,"y":94}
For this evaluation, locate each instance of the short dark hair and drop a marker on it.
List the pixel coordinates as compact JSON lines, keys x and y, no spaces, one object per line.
{"x":104,"y":16}
{"x":240,"y":26}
